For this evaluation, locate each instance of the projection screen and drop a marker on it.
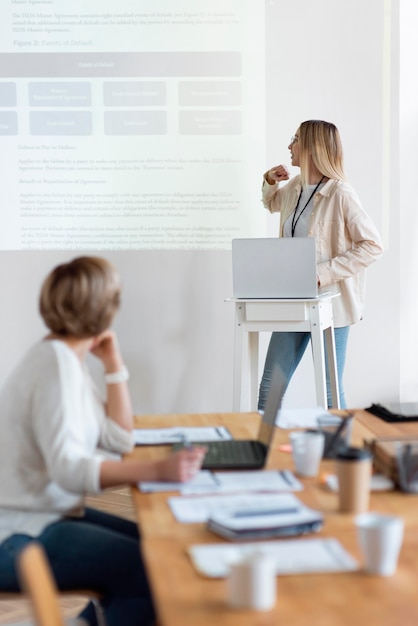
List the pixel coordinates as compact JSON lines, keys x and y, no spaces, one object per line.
{"x":130,"y":125}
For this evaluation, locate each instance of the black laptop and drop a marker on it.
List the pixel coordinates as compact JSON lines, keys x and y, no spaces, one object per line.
{"x":247,"y":453}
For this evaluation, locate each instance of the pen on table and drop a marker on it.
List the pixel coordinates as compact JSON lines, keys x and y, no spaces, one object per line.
{"x":216,"y":479}
{"x":261,"y":512}
{"x":287,"y":477}
{"x":186,"y":442}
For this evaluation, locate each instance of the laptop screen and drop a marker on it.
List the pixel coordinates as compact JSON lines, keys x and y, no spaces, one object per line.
{"x":279,"y":267}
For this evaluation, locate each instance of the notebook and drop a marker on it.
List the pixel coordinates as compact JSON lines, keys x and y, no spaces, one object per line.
{"x":245,"y":453}
{"x":279,"y":267}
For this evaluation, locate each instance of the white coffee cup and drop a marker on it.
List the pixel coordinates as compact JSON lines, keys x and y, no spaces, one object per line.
{"x":252,"y":583}
{"x":307,"y":450}
{"x":380,"y":537}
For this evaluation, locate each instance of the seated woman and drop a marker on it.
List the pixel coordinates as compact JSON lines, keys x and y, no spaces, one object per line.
{"x":52,"y":421}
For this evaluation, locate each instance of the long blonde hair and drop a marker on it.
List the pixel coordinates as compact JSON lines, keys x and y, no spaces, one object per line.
{"x":320,"y":141}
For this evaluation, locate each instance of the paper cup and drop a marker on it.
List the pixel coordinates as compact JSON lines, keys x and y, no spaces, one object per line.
{"x":380,"y":537}
{"x":353,"y":469}
{"x":307,"y":450}
{"x":252,"y":583}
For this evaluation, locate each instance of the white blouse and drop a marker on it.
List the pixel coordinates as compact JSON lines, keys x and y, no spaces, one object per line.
{"x":52,"y":422}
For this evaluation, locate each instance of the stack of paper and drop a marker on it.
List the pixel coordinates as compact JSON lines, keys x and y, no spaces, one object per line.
{"x":166,"y":436}
{"x":229,"y":482}
{"x":295,"y":556}
{"x":300,"y":418}
{"x":244,"y":509}
{"x":282,"y":516}
{"x":203,"y":482}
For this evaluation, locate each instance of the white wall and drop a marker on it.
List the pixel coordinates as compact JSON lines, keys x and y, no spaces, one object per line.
{"x":408,"y":214}
{"x":337,"y":61}
{"x":175,"y":330}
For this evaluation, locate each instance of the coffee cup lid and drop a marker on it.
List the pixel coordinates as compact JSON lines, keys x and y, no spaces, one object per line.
{"x":353,"y":454}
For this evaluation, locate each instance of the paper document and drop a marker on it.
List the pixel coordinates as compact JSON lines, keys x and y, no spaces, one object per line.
{"x":300,"y":418}
{"x":228,"y":482}
{"x":378,"y":482}
{"x":293,"y":556}
{"x":244,"y":481}
{"x":202,"y":482}
{"x":200,"y":508}
{"x":164,"y":436}
{"x":283,"y":516}
{"x":258,"y":480}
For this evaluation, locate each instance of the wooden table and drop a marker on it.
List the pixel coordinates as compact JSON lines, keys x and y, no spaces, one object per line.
{"x":184,"y":597}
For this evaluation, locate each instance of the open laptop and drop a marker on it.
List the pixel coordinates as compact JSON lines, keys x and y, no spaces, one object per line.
{"x":279,"y":267}
{"x":247,"y":453}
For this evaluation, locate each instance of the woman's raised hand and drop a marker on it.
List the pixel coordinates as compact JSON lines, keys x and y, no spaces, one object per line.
{"x":277,"y":174}
{"x":106,"y":348}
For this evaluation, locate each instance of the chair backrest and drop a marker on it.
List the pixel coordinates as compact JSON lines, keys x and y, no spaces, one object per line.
{"x":37,"y":580}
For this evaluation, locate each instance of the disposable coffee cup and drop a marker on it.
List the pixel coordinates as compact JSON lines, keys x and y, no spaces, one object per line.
{"x":307,"y":450}
{"x":252,"y":583}
{"x":353,"y":469}
{"x":380,"y":537}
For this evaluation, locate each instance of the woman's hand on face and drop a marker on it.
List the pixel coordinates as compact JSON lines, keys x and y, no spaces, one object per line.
{"x":106,"y":348}
{"x":183,"y":465}
{"x":278,"y":173}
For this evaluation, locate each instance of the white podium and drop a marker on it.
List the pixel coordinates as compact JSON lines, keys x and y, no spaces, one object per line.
{"x":253,"y":316}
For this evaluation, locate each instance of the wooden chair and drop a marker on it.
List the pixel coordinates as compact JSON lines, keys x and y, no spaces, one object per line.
{"x":77,"y":594}
{"x":39,"y":585}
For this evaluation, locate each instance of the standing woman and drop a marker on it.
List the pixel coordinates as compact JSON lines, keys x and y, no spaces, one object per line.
{"x":319,"y":203}
{"x":53,"y":421}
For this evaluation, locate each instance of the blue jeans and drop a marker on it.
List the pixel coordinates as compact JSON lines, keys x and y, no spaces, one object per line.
{"x":287,"y":348}
{"x":97,"y":551}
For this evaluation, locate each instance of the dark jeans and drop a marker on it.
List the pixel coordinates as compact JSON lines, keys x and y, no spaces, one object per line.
{"x":99,"y":552}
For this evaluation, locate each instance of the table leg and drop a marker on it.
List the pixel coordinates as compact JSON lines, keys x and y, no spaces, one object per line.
{"x":318,"y":356}
{"x":236,"y":402}
{"x":332,"y":365}
{"x":253,"y":344}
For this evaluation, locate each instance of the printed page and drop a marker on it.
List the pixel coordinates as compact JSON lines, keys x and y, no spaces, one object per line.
{"x":293,"y":556}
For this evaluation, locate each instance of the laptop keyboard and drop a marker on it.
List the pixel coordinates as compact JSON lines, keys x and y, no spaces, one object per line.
{"x":232,"y":454}
{"x":232,"y":451}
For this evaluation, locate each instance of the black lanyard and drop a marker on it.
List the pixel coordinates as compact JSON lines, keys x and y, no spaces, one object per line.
{"x":294,"y":219}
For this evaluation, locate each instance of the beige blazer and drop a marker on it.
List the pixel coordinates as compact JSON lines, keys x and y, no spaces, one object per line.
{"x":347,"y":240}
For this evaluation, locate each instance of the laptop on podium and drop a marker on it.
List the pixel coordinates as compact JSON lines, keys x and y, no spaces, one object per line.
{"x":279,"y":267}
{"x":247,"y":453}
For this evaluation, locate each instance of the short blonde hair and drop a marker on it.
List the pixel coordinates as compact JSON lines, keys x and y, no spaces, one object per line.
{"x":80,"y":298}
{"x":320,"y":141}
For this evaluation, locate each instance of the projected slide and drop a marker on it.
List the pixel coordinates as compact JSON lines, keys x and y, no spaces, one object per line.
{"x":130,"y":124}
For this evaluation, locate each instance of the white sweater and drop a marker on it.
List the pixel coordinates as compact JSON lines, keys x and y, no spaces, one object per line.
{"x":52,"y":421}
